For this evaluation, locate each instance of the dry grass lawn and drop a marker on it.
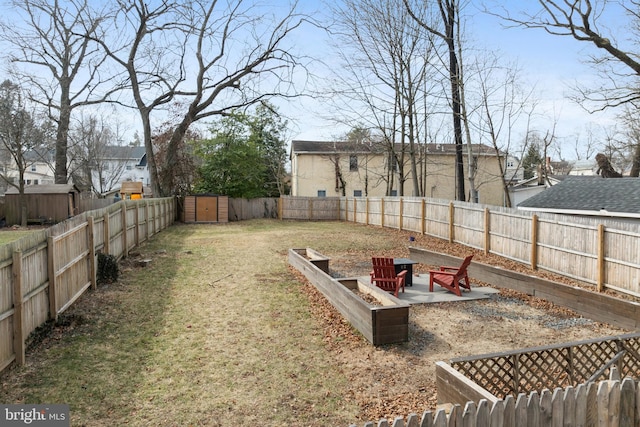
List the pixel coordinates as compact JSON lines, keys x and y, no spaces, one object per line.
{"x":218,"y":331}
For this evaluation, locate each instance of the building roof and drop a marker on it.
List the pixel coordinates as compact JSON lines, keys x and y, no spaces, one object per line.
{"x":327,"y":147}
{"x":123,"y":152}
{"x":589,"y":195}
{"x":45,"y":189}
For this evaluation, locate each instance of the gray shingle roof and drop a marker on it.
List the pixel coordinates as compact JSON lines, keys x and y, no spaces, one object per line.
{"x":350,"y":147}
{"x":589,"y":193}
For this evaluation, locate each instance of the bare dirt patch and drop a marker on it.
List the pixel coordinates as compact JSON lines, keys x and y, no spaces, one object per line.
{"x":396,"y":380}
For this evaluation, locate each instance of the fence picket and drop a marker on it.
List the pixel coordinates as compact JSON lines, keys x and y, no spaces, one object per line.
{"x":546,"y":408}
{"x":521,"y":410}
{"x":603,"y":403}
{"x":533,"y":409}
{"x":613,"y":410}
{"x":427,"y":419}
{"x":455,"y":416}
{"x":509,"y":412}
{"x":483,"y":414}
{"x":497,"y":416}
{"x":413,"y":420}
{"x":558,"y":413}
{"x":627,"y":403}
{"x":469,"y":415}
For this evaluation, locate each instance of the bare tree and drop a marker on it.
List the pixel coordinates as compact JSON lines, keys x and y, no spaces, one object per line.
{"x":503,"y":102}
{"x":448,"y":30}
{"x":92,"y":168}
{"x":57,"y":63}
{"x":386,"y":63}
{"x":21,"y":132}
{"x":210,"y":57}
{"x":150,"y":45}
{"x":586,"y":21}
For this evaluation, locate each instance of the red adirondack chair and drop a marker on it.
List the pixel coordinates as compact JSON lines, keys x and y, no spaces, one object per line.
{"x":384,"y":275}
{"x":451,"y":278}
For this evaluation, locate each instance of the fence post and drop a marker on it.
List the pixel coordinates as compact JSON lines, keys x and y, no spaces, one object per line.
{"x":487,"y":234}
{"x":451,"y":222}
{"x":137,"y":223}
{"x":534,"y":242}
{"x":310,"y":209}
{"x":346,"y":209}
{"x":355,"y":211}
{"x":280,"y":202}
{"x":366,"y":207}
{"x":382,"y":212}
{"x":18,"y":322}
{"x":53,"y":280}
{"x":401,"y":211}
{"x":125,"y":245}
{"x":147,"y":219}
{"x":107,"y":234}
{"x":92,"y":253}
{"x":154,"y":217}
{"x":423,"y":214}
{"x":601,"y":264}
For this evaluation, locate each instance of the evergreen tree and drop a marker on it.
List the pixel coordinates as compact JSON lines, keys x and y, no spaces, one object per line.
{"x":533,"y":157}
{"x":245,"y":157}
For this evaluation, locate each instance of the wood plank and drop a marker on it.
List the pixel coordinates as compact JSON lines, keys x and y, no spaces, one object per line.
{"x":453,"y":387}
{"x":18,"y":321}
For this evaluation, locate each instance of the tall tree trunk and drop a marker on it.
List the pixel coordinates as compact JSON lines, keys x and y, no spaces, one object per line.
{"x":62,"y":134}
{"x":449,"y":21}
{"x":148,"y":146}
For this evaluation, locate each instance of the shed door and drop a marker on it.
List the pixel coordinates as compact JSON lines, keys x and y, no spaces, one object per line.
{"x":206,"y":209}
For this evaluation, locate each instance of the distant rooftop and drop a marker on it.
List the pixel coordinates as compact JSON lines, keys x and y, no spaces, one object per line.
{"x":591,"y":194}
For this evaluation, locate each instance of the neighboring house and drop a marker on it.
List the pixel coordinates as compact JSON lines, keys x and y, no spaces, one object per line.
{"x":525,"y":189}
{"x":513,"y":171}
{"x":589,"y":195}
{"x":118,"y":164}
{"x":327,"y":168}
{"x":39,"y":171}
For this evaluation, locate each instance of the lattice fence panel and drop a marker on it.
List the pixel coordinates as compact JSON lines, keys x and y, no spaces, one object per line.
{"x":543,"y":369}
{"x":551,"y":367}
{"x":587,"y":359}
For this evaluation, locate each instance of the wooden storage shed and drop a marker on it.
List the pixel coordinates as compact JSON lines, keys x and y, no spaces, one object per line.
{"x":206,"y":208}
{"x":45,"y":203}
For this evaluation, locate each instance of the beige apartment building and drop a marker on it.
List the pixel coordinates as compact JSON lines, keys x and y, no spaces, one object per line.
{"x":332,"y":168}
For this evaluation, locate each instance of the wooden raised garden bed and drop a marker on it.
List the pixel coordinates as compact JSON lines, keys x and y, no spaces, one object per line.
{"x":381,"y":318}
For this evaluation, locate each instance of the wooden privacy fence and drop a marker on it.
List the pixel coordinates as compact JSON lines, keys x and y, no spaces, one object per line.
{"x":611,"y":403}
{"x":596,"y":250}
{"x":42,"y":274}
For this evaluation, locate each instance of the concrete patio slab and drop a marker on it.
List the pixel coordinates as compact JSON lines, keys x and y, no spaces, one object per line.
{"x":419,"y":292}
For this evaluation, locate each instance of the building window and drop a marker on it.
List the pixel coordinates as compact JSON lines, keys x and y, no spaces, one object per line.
{"x":322,"y":193}
{"x":394,"y":193}
{"x":353,"y":163}
{"x":33,"y":168}
{"x":129,"y":167}
{"x":393,"y":163}
{"x":35,"y":182}
{"x":357,"y":193}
